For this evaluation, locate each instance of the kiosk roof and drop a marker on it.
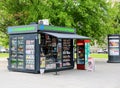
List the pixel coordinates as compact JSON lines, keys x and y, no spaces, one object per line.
{"x":68,"y":36}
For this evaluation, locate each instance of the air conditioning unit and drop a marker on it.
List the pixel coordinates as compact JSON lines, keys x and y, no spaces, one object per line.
{"x":43,"y":21}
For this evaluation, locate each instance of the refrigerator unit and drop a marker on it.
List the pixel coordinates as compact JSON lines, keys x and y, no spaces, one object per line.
{"x":83,"y":52}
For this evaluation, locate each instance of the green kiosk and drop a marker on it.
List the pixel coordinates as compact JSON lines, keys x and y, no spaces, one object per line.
{"x":35,"y":46}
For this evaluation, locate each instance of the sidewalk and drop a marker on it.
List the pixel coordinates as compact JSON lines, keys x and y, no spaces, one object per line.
{"x":3,"y":63}
{"x":106,"y":75}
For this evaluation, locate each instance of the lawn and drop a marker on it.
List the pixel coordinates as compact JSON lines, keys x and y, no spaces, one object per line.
{"x":95,"y":55}
{"x":4,"y":55}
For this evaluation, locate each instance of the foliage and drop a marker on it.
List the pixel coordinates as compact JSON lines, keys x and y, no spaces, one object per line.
{"x":93,"y":18}
{"x":117,"y":19}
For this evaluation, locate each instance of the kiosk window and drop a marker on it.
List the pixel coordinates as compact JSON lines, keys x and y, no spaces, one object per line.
{"x":49,"y":49}
{"x":17,"y":52}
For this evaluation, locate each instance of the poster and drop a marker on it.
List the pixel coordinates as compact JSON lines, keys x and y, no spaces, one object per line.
{"x":114,"y":47}
{"x":42,"y":62}
{"x":114,"y":51}
{"x":114,"y":43}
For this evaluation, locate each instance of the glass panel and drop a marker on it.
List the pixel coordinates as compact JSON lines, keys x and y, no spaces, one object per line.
{"x":30,"y":58}
{"x":59,"y":55}
{"x":114,"y":43}
{"x":14,"y":53}
{"x":114,"y":47}
{"x":81,"y":54}
{"x":20,"y":52}
{"x":114,"y":51}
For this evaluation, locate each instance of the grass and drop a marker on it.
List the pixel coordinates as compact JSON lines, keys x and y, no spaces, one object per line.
{"x":95,"y":55}
{"x":4,"y":55}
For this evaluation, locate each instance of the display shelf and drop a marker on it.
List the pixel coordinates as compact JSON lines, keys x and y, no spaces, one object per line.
{"x":59,"y":50}
{"x":13,"y":49}
{"x":13,"y":55}
{"x":81,"y":58}
{"x":20,"y":63}
{"x":20,"y":57}
{"x":80,"y":61}
{"x":13,"y":52}
{"x":66,"y":54}
{"x":52,"y":49}
{"x":20,"y":53}
{"x":114,"y":46}
{"x":30,"y":54}
{"x":64,"y":57}
{"x":14,"y":63}
{"x":50,"y":66}
{"x":50,"y":63}
{"x":66,"y":64}
{"x":49,"y":49}
{"x":66,"y":60}
{"x":17,"y":52}
{"x":81,"y":54}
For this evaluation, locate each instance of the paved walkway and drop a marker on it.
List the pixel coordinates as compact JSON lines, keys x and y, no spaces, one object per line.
{"x":106,"y":75}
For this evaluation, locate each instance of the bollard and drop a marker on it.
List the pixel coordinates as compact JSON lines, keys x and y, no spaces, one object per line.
{"x":56,"y":70}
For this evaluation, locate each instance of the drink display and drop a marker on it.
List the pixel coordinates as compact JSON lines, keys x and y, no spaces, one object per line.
{"x":17,"y":52}
{"x":20,"y":52}
{"x":14,"y":53}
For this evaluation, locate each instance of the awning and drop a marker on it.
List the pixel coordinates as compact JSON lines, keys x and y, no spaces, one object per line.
{"x":68,"y":36}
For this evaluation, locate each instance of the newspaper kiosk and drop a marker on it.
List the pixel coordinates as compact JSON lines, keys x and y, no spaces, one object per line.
{"x":34,"y":47}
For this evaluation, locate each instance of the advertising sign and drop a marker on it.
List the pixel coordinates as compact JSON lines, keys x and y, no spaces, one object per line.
{"x":22,"y":29}
{"x":114,"y":47}
{"x":57,"y":29}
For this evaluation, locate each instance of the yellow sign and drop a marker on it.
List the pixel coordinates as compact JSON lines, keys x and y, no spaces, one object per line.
{"x":42,"y":62}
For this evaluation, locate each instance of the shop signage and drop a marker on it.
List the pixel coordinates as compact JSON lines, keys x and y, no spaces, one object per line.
{"x":34,"y":28}
{"x":22,"y":29}
{"x":113,"y":37}
{"x":57,"y":29}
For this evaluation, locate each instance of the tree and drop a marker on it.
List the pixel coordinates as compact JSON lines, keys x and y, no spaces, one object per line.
{"x":93,"y":18}
{"x":116,"y":25}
